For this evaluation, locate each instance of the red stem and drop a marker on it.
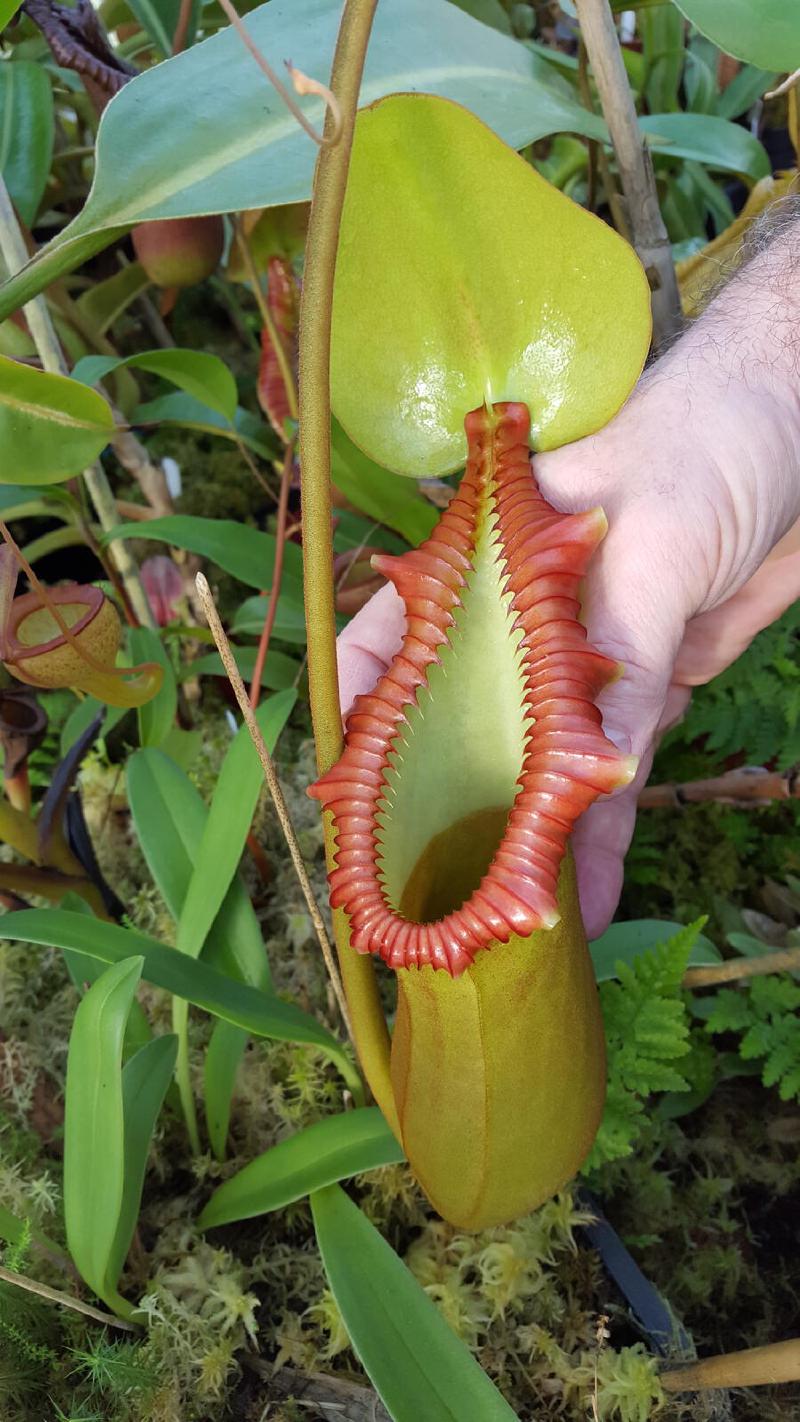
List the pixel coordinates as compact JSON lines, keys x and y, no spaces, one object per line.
{"x":277,"y":573}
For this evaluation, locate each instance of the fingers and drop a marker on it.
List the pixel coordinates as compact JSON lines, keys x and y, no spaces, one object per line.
{"x":717,"y":638}
{"x":366,"y":646}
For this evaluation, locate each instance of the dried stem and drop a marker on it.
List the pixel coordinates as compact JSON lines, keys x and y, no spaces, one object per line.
{"x":753,"y":1367}
{"x":65,"y":1300}
{"x":277,"y":573}
{"x":274,"y":786}
{"x":784,"y":960}
{"x":331,"y":135}
{"x":747,"y":785}
{"x":46,"y":342}
{"x":635,"y":165}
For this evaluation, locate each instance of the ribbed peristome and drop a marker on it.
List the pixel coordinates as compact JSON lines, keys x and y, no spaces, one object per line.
{"x":566,"y":761}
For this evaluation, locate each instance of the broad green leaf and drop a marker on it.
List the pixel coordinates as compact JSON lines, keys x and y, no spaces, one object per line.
{"x":623,"y":942}
{"x":258,"y":1013}
{"x":418,"y":1366}
{"x":50,"y":427}
{"x":8,"y":9}
{"x":26,"y":133}
{"x":205,"y":377}
{"x":233,"y":146}
{"x":377,"y":491}
{"x":242,"y":551}
{"x":723,"y":146}
{"x":452,"y":290}
{"x":762,"y":32}
{"x":177,"y":408}
{"x":145,"y":1079}
{"x":157,"y":716}
{"x":330,"y":1150}
{"x":279,"y":671}
{"x":106,"y":300}
{"x":94,"y":1131}
{"x":223,"y":1057}
{"x":230,"y":816}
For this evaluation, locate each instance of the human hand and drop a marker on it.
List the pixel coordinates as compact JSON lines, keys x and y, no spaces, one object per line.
{"x":699,"y":476}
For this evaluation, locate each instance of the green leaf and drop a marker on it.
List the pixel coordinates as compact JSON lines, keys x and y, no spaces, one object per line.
{"x":421,"y":335}
{"x":290,"y":620}
{"x":50,"y":427}
{"x":489,"y":12}
{"x":170,"y":817}
{"x":377,"y":491}
{"x":177,"y":408}
{"x":232,"y":145}
{"x":157,"y":716}
{"x":242,"y":551}
{"x":159,"y":19}
{"x":26,"y":133}
{"x":418,"y":1366}
{"x":723,"y":146}
{"x":330,"y":1150}
{"x":258,"y":1013}
{"x":205,"y":377}
{"x":12,"y":1229}
{"x":94,"y":1131}
{"x":623,"y":942}
{"x":105,"y":301}
{"x":8,"y":9}
{"x":762,"y":32}
{"x":223,"y":1057}
{"x":744,"y":89}
{"x":145,"y":1080}
{"x":279,"y":671}
{"x":229,"y":819}
{"x":82,"y":716}
{"x":661,"y":30}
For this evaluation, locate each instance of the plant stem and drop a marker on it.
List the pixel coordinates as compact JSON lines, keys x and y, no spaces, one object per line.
{"x":267,"y":320}
{"x":46,"y":342}
{"x":330,"y":181}
{"x":635,"y":165}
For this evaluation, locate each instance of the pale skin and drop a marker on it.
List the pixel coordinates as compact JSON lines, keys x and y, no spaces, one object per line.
{"x":699,"y":476}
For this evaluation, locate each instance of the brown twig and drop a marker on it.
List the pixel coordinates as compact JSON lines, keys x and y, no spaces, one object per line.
{"x":784,"y":960}
{"x":324,"y":140}
{"x":65,"y":1300}
{"x":274,"y":785}
{"x":635,"y":166}
{"x":277,"y":572}
{"x":754,"y":1367}
{"x":747,"y":785}
{"x":182,"y":27}
{"x":267,"y":319}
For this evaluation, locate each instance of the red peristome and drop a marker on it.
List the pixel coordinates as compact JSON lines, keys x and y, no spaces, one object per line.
{"x":568,"y":760}
{"x":283,"y":304}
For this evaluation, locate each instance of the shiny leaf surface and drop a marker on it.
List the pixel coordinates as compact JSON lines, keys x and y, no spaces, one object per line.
{"x":50,"y":427}
{"x":468,"y":278}
{"x":763,"y":32}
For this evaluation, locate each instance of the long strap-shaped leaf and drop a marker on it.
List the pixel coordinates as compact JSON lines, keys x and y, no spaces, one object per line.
{"x":201,"y":985}
{"x":422,"y":1371}
{"x":328,"y":1151}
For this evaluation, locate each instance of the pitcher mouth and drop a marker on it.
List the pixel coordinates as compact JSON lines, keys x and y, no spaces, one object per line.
{"x":465,"y":768}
